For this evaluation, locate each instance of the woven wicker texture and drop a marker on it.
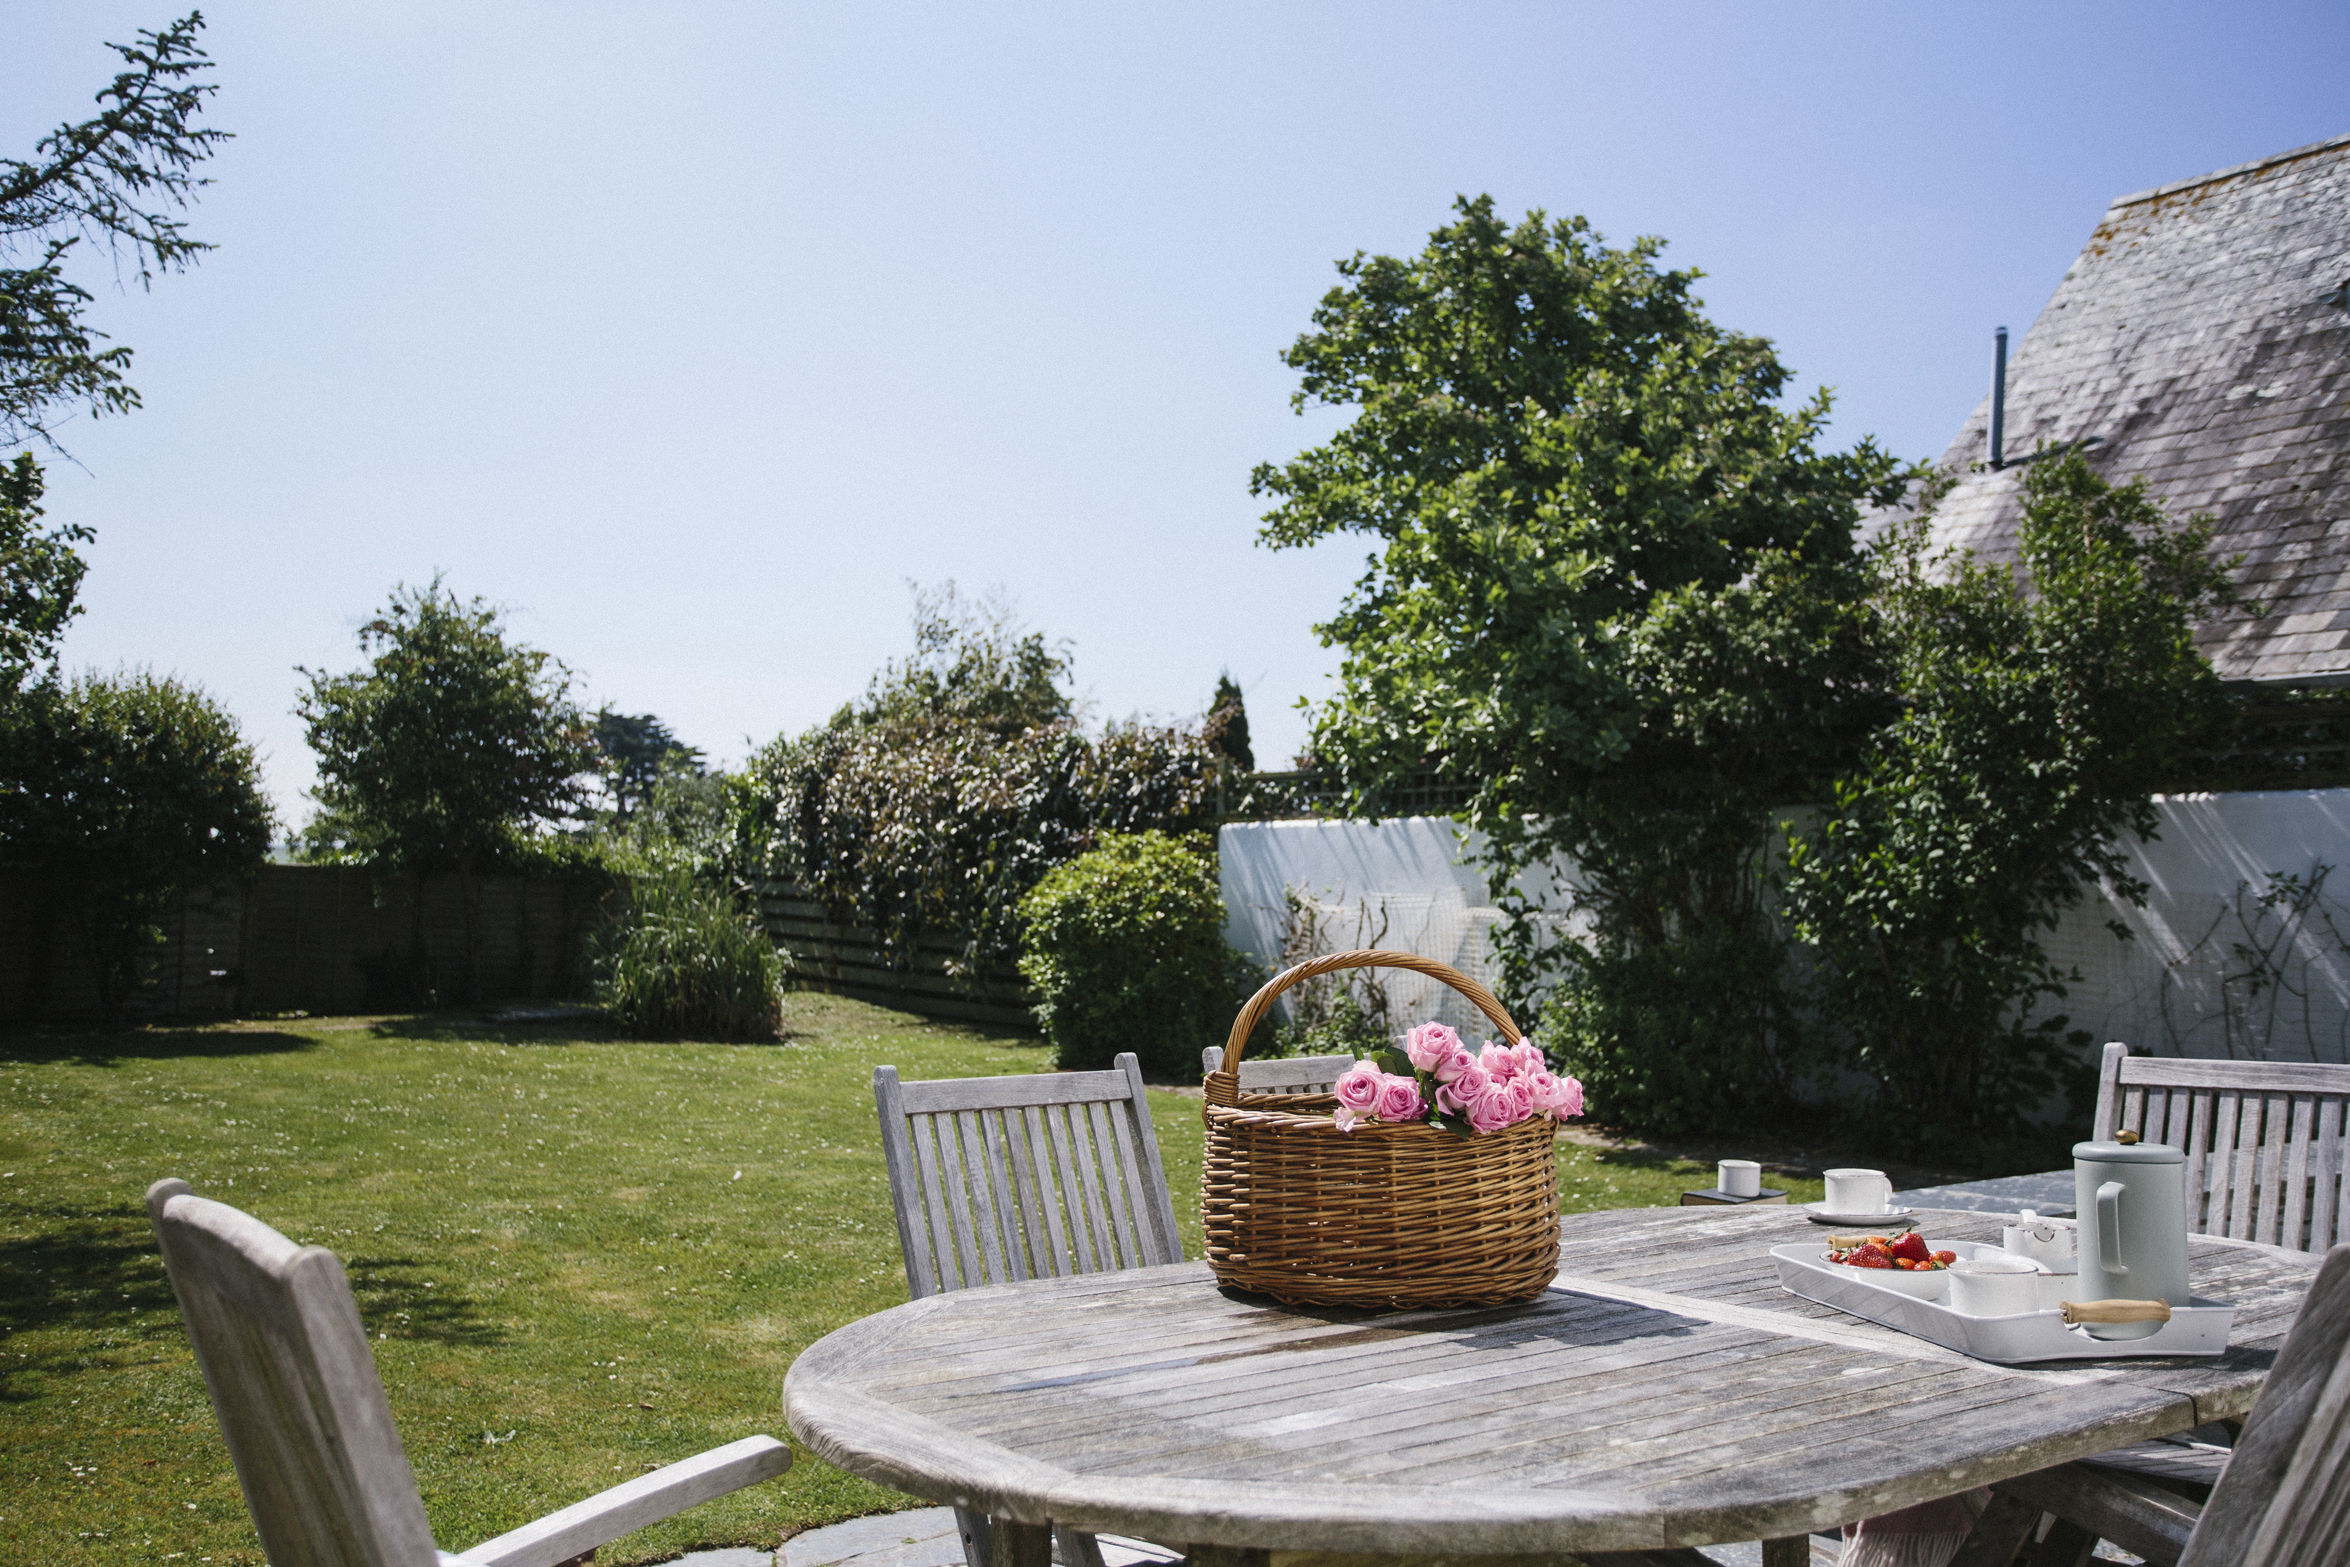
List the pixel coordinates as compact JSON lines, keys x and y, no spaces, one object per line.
{"x":1406,"y":1215}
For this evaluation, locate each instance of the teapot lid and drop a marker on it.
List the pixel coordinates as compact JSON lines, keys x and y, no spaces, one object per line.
{"x":2129,"y":1153}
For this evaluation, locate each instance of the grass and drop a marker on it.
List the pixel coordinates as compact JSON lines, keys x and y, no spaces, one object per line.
{"x":577,"y":1257}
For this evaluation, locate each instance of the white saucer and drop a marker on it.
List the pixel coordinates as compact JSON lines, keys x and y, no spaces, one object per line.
{"x":1818,"y":1213}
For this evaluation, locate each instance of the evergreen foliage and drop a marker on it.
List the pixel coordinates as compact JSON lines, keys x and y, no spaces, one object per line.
{"x":633,"y":750}
{"x":1227,"y":726}
{"x":110,"y":179}
{"x":40,"y":576}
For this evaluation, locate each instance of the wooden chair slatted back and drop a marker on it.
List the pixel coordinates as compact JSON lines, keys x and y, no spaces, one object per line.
{"x":998,"y":1179}
{"x":2284,"y":1498}
{"x":1295,"y":1075}
{"x":285,"y":1358}
{"x":2265,"y":1140}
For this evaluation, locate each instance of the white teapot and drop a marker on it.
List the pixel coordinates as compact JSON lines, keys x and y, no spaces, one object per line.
{"x":2132,"y":1202}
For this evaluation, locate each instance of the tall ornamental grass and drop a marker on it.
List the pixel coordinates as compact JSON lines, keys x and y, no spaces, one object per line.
{"x":686,"y":961}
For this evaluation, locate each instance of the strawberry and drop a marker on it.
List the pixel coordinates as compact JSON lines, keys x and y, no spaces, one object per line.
{"x":1912,"y":1246}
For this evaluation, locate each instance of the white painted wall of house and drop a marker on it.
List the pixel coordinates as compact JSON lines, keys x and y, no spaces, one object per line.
{"x":2211,"y":971}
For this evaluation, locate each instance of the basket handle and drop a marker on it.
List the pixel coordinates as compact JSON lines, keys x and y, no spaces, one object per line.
{"x":1246,"y":1023}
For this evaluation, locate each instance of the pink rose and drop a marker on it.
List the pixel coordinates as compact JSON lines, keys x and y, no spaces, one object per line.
{"x":1455,"y":1095}
{"x":1529,"y":1057}
{"x":1522,"y":1096}
{"x":1493,"y":1108}
{"x":1454,"y":1063}
{"x":1548,"y":1092}
{"x":1429,"y":1044}
{"x":1357,"y":1088}
{"x":1571,"y":1100}
{"x":1345,"y":1118}
{"x":1399,"y":1100}
{"x":1497,"y":1061}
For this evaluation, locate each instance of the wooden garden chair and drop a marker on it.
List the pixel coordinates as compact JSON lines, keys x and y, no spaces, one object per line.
{"x":2264,"y":1140}
{"x":2283,"y":1499}
{"x":997,"y":1179}
{"x":294,"y":1385}
{"x":1297,"y":1075}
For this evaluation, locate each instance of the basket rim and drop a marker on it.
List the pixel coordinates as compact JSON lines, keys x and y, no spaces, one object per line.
{"x":1316,"y":1125}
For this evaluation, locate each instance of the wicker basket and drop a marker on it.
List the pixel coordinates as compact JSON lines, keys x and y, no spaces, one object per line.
{"x":1387,"y":1214}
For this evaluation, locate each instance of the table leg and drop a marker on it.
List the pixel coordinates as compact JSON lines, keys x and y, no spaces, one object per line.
{"x":1013,"y":1544}
{"x":2002,"y":1529}
{"x":972,"y":1525}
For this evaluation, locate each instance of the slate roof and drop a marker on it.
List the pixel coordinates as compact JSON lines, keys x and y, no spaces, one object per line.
{"x":2203,"y":337}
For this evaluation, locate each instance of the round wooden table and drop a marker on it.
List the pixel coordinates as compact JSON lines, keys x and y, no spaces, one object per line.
{"x":1666,"y":1394}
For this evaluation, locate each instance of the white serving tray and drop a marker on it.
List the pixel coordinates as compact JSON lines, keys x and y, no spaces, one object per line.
{"x":2197,"y":1329}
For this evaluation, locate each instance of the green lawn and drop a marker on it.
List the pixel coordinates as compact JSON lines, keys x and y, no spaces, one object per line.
{"x":578,"y":1257}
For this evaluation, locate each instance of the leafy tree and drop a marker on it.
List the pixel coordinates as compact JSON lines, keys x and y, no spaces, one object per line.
{"x":2039,"y":710}
{"x":119,"y":795}
{"x":40,"y":575}
{"x":452,"y":749}
{"x":1227,"y":726}
{"x":1616,"y":587}
{"x":111,"y":179}
{"x":634,"y":750}
{"x":973,"y":662}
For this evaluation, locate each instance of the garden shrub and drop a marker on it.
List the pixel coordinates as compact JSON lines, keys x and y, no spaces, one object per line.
{"x":1125,"y":946}
{"x":685,"y":959}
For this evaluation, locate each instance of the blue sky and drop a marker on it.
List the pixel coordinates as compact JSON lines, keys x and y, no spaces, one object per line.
{"x":690,"y":333}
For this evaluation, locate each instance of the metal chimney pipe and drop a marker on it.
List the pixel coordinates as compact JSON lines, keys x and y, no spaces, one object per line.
{"x":1999,"y":402}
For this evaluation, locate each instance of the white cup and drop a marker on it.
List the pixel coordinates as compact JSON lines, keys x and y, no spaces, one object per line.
{"x":1739,"y":1177}
{"x":1859,"y":1192}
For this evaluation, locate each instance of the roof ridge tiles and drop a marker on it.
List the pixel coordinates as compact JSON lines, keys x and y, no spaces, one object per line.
{"x":2254,"y":167}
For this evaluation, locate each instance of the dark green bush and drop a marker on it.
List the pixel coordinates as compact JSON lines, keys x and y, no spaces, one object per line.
{"x":1125,"y":946}
{"x":686,"y":960}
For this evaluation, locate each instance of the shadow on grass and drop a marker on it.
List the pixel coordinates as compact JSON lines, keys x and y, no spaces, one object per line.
{"x":103,"y":1048}
{"x":393,"y":1298}
{"x":88,"y":1287}
{"x":89,"y":1273}
{"x":475,"y":1027}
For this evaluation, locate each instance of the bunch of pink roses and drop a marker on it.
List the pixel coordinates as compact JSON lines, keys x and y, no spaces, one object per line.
{"x":1499,"y":1086}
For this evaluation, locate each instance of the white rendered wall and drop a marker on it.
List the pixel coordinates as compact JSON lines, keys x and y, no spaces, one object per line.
{"x":2211,"y":972}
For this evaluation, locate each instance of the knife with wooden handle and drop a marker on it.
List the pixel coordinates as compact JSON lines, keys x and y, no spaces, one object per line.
{"x":2079,"y":1311}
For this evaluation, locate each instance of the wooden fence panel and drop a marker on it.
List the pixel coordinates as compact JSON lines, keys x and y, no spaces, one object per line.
{"x":313,"y":938}
{"x":848,"y":960}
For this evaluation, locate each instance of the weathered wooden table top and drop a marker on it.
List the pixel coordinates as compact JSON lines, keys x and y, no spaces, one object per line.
{"x":1671,"y":1394}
